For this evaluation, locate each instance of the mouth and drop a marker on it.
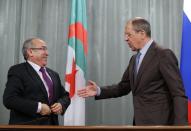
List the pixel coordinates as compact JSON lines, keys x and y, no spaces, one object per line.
{"x":129,"y":44}
{"x":45,"y":58}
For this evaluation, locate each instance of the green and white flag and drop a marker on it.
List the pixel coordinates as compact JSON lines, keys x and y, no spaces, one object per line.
{"x":76,"y":63}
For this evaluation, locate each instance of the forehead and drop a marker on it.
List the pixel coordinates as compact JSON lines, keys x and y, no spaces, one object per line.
{"x":129,"y":27}
{"x":38,"y":42}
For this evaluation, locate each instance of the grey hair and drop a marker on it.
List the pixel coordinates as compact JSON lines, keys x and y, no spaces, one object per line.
{"x":140,"y":24}
{"x":26,"y":45}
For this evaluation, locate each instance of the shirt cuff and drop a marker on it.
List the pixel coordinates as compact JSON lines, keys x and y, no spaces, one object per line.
{"x":98,"y":91}
{"x":39,"y":107}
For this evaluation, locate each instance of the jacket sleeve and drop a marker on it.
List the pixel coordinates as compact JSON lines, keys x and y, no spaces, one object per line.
{"x":13,"y":95}
{"x":117,"y":90}
{"x":171,"y":74}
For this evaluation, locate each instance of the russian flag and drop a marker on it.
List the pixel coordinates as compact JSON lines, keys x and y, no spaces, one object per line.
{"x":185,"y":63}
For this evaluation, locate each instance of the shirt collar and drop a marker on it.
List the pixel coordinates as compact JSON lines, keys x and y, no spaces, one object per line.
{"x":35,"y":66}
{"x":146,"y":47}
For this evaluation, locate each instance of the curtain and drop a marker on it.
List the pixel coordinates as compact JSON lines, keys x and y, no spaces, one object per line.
{"x":108,"y":52}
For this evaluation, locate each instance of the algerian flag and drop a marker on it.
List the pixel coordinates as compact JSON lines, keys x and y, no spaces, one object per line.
{"x":76,"y":63}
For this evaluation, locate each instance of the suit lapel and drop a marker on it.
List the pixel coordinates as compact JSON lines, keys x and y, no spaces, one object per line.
{"x":36,"y":78}
{"x":131,"y":71}
{"x":53,"y":80}
{"x":150,"y":54}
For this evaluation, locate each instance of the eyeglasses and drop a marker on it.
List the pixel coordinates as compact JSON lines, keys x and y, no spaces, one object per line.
{"x":40,"y":48}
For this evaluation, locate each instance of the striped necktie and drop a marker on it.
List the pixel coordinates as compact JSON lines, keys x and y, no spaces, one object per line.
{"x":137,"y":64}
{"x":48,"y":82}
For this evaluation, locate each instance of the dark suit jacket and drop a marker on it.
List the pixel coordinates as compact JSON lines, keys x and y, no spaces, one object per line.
{"x":158,"y":92}
{"x":24,"y":89}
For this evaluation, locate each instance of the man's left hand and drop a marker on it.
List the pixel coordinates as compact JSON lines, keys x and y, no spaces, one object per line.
{"x":56,"y":108}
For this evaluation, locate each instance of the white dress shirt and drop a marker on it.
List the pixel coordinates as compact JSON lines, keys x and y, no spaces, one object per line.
{"x":143,"y":51}
{"x":37,"y":69}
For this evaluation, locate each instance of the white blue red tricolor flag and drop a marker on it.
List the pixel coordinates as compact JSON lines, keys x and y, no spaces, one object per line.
{"x":185,"y":64}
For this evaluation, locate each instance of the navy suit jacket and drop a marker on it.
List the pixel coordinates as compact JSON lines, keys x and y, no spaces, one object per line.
{"x":24,"y":89}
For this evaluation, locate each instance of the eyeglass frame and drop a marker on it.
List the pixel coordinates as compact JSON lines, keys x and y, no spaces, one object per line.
{"x":44,"y":48}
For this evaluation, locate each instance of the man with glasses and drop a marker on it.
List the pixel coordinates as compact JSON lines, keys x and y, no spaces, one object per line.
{"x":33,"y":92}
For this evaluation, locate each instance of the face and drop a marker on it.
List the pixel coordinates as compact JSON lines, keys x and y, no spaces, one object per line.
{"x":38,"y":53}
{"x":132,"y":37}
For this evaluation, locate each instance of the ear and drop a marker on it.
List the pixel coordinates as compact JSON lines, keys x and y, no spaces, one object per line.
{"x":29,"y":52}
{"x":143,"y":34}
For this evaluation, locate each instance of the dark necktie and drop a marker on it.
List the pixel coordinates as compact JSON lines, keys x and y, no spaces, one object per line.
{"x":48,"y":82}
{"x":136,"y":64}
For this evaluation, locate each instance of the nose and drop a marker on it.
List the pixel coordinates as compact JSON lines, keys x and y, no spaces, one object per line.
{"x":126,"y":37}
{"x":46,"y":52}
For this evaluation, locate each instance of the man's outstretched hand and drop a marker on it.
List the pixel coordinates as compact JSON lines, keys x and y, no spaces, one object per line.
{"x":89,"y":90}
